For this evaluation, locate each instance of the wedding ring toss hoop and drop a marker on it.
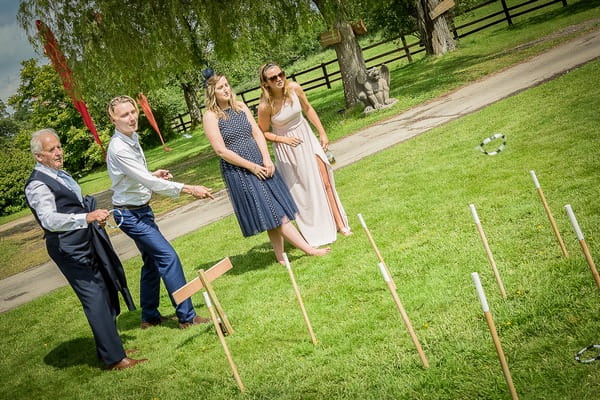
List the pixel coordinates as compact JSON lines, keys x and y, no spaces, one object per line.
{"x":589,"y":360}
{"x":115,"y":218}
{"x":488,"y":140}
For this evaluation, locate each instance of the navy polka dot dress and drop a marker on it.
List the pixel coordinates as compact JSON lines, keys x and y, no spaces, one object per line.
{"x":259,"y":205}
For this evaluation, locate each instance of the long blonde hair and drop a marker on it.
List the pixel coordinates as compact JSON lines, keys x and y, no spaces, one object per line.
{"x":210,"y":100}
{"x":264,"y":86}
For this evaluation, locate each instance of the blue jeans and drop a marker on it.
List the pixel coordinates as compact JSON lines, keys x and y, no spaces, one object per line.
{"x":160,"y":261}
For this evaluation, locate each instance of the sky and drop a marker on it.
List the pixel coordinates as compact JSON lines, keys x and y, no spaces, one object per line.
{"x":14,"y":48}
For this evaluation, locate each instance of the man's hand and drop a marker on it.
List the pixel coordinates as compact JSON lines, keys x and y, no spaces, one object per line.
{"x":198,"y":191}
{"x":99,"y":216}
{"x":163,"y":174}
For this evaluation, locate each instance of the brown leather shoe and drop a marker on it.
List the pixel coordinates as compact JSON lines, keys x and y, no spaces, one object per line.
{"x":126,"y":363}
{"x":197,"y":320}
{"x":150,"y":324}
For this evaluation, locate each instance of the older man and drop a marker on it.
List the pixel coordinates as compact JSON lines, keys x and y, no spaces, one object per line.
{"x":132,"y":186}
{"x":57,"y":204}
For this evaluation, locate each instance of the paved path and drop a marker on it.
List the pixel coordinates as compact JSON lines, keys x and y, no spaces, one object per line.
{"x":28,"y":285}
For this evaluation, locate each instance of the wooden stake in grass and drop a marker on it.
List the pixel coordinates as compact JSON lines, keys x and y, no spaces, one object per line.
{"x":487,"y":250}
{"x":299,"y":297}
{"x":379,"y":257}
{"x":494,"y":333}
{"x":224,"y":324}
{"x":232,"y":365}
{"x":392,"y":287}
{"x":563,"y":249}
{"x":584,"y":247}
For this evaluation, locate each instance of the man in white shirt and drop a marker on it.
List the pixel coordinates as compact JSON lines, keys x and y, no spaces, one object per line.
{"x":132,"y":186}
{"x":56,"y":203}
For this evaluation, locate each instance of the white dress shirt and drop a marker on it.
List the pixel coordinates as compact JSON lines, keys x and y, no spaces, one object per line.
{"x":41,"y":199}
{"x":132,"y":183}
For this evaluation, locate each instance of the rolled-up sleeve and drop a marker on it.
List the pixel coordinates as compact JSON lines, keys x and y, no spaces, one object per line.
{"x":132,"y":168}
{"x":42,"y":201}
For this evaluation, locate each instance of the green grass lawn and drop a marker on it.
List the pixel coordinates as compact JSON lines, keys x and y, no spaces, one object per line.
{"x":414,"y":198}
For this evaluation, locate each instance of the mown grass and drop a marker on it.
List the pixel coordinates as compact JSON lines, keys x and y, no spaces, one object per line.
{"x":192,"y":160}
{"x":414,"y":198}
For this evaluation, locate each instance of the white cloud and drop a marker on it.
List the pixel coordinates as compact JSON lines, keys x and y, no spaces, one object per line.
{"x":14,"y":48}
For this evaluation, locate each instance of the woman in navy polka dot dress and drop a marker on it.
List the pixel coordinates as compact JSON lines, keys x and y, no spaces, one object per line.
{"x":261,"y":200}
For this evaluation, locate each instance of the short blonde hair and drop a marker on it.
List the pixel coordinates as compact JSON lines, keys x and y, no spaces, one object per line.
{"x":110,"y":109}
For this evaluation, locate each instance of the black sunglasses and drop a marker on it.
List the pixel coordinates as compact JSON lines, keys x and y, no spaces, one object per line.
{"x":274,"y":77}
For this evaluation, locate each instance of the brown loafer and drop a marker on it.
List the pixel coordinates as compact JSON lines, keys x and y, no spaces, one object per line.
{"x":150,"y":324}
{"x":196,"y":321}
{"x":126,"y":363}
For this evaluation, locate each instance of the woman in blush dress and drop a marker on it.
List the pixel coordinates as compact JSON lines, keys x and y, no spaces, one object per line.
{"x":300,"y":157}
{"x":261,"y":200}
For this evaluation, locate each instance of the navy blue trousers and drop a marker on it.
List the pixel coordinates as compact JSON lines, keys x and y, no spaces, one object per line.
{"x":160,"y":261}
{"x":90,"y":287}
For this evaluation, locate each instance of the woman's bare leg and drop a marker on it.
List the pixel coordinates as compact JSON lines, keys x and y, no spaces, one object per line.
{"x":277,"y":242}
{"x":291,"y":234}
{"x":288,"y":231}
{"x":333,"y":205}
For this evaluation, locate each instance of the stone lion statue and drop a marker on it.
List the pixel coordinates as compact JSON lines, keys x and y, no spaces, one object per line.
{"x":375,"y":89}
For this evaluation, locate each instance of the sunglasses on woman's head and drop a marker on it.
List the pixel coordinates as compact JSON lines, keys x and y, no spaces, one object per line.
{"x":274,"y":77}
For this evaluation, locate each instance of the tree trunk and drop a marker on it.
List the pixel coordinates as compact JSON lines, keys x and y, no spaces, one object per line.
{"x":190,"y":93}
{"x":351,"y":62}
{"x":436,"y":35}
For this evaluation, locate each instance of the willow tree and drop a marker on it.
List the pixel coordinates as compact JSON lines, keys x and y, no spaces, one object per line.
{"x":115,"y":47}
{"x":135,"y":46}
{"x":131,"y":46}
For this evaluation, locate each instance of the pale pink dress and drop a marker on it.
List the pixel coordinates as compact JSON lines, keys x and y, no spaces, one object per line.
{"x":301,"y":174}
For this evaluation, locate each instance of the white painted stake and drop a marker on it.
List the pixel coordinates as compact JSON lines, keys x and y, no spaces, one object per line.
{"x":494,"y":333}
{"x":486,"y":246}
{"x":563,"y":249}
{"x":299,"y":297}
{"x":379,"y":256}
{"x":389,"y":281}
{"x":480,"y":293}
{"x":215,"y":321}
{"x":584,"y":246}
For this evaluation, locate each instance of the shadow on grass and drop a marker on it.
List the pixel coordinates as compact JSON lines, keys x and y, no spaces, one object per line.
{"x":256,"y":258}
{"x":80,"y":351}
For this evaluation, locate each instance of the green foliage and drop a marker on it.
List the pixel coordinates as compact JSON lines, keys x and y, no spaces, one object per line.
{"x":41,"y":102}
{"x":138,"y":46}
{"x":8,"y":128}
{"x":394,"y":18}
{"x":15,"y":167}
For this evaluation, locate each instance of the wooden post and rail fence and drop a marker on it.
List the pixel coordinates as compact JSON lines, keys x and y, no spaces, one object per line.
{"x":327,"y":73}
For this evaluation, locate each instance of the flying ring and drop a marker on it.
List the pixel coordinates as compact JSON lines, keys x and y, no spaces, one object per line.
{"x":487,"y":140}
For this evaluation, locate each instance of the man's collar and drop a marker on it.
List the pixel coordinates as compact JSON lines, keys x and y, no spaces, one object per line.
{"x":49,"y":171}
{"x":132,"y":140}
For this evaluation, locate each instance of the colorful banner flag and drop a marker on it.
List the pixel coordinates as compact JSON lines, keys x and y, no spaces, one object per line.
{"x":143,"y":102}
{"x":60,"y":65}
